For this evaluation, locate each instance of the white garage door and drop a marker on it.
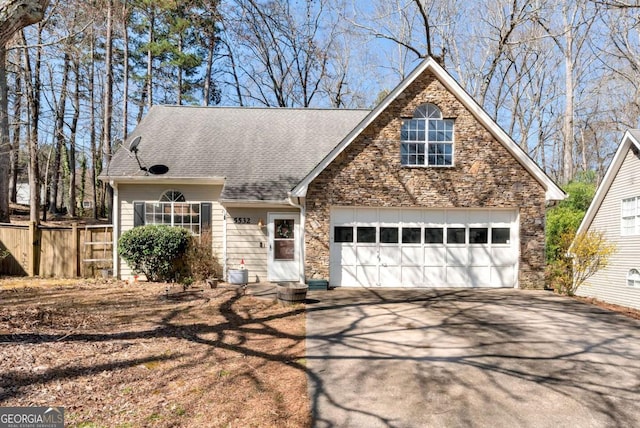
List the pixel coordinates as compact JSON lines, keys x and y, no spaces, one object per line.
{"x":383,"y":247}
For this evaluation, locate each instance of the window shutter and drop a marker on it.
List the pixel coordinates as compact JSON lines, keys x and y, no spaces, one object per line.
{"x":205,"y":216}
{"x":138,"y":214}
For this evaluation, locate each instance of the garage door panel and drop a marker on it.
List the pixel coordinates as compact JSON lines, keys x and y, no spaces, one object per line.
{"x":457,"y":217}
{"x":346,"y":277}
{"x":411,"y":217}
{"x":503,"y":276}
{"x":435,"y":276}
{"x":504,"y":256}
{"x":457,"y":277}
{"x":389,"y":216}
{"x":367,"y":255}
{"x":479,"y":255}
{"x":412,"y":276}
{"x":457,"y":256}
{"x":479,"y":276}
{"x":434,"y":256}
{"x":390,"y":255}
{"x":344,"y":254}
{"x":366,"y":215}
{"x":433,"y":217}
{"x":390,"y":276}
{"x":343,"y":215}
{"x":411,"y":256}
{"x":367,"y":276}
{"x":478,"y":217}
{"x":505,"y":217}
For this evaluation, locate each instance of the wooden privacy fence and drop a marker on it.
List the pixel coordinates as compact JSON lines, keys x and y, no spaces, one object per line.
{"x":56,"y":251}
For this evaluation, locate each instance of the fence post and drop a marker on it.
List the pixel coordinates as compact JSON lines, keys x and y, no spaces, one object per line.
{"x":75,"y":248}
{"x":31,"y":250}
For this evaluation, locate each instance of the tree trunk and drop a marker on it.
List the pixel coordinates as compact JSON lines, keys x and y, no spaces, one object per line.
{"x":14,"y":15}
{"x":567,"y":128}
{"x":54,"y":195}
{"x":72,"y":141}
{"x":149,"y":77}
{"x":206,"y":90}
{"x":17,"y":14}
{"x":125,"y":71}
{"x":95,"y":159}
{"x":108,"y":102}
{"x":32,"y":86}
{"x":17,"y":133}
{"x":5,"y":146}
{"x":180,"y":73}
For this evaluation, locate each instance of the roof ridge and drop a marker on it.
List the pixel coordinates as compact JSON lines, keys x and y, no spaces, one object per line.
{"x":258,"y":108}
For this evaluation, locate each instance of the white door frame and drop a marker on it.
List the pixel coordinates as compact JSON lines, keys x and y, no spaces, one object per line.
{"x":284,"y":270}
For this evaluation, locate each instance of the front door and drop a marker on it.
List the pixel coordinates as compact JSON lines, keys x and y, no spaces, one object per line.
{"x":284,"y":247}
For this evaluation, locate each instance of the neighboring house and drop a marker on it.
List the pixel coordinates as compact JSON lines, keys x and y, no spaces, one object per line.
{"x":615,"y":211}
{"x":424,"y":190}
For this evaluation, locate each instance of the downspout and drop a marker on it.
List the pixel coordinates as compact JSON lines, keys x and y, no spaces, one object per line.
{"x":224,"y":243}
{"x":298,"y":202}
{"x":115,"y":231}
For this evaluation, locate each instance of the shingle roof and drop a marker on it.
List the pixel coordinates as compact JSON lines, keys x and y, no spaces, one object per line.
{"x":262,"y":152}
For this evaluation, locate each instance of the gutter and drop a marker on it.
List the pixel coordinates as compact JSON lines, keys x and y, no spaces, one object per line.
{"x":245,"y":203}
{"x":162,"y":179}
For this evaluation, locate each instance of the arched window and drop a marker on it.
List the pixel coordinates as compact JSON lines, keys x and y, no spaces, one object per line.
{"x":633,"y":278}
{"x":427,"y":138}
{"x":172,"y":196}
{"x":173,"y":210}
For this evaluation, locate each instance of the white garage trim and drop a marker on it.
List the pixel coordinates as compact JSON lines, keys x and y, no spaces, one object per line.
{"x":404,"y":247}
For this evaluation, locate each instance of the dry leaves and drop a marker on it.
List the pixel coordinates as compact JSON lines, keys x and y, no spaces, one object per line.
{"x":152,"y":355}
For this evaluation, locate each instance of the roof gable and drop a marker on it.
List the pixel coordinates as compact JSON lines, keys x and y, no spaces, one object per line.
{"x":552,"y":191}
{"x":631,"y":139}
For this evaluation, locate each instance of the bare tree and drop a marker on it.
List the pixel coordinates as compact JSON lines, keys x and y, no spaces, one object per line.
{"x":570,"y":36}
{"x":280,"y":54}
{"x":14,"y":15}
{"x":107,"y":105}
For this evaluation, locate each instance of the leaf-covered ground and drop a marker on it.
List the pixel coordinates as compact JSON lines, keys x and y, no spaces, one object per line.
{"x":115,"y":354}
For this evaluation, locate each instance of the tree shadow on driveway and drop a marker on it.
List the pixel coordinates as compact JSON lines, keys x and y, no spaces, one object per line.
{"x":381,"y":357}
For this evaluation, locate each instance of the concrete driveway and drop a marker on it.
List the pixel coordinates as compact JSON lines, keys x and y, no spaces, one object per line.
{"x":448,"y":358}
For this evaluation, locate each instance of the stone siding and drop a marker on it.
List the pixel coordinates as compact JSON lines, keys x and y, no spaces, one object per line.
{"x":484,"y":175}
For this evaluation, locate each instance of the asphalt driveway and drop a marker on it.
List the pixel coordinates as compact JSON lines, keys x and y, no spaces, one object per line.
{"x":447,"y":358}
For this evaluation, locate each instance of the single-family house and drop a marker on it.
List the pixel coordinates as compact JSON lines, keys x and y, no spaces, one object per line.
{"x":424,"y":190}
{"x":615,"y":212}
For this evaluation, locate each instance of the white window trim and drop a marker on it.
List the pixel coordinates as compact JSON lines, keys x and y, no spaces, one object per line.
{"x":631,"y":216}
{"x":633,"y":278}
{"x":177,"y":198}
{"x":434,"y":114}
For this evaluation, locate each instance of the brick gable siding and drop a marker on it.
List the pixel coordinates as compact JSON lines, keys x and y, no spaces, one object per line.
{"x":369,"y":173}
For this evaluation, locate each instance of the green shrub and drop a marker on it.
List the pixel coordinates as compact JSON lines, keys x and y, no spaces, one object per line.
{"x":561,"y":222}
{"x":565,"y":218}
{"x":155,"y":250}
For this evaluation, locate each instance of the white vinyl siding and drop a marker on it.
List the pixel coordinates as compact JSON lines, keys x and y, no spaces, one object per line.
{"x":611,"y":283}
{"x":246,"y":240}
{"x":128,"y":193}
